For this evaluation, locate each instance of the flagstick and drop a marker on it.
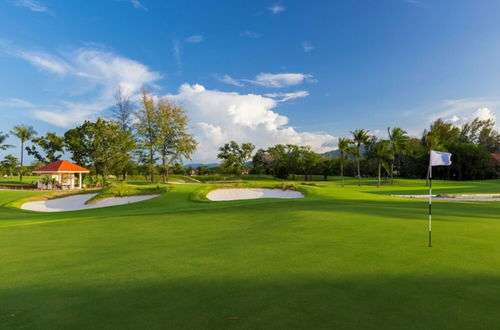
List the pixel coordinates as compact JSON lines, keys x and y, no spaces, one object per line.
{"x":430,"y":205}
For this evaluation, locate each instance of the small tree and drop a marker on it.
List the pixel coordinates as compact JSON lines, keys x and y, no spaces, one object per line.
{"x":122,"y":113}
{"x":50,"y":144}
{"x":382,"y":152}
{"x":344,"y":149}
{"x":310,"y":162}
{"x":147,"y":130}
{"x":359,"y":138}
{"x":123,"y":110}
{"x":173,"y":140}
{"x":398,"y":144}
{"x":234,"y":156}
{"x":23,"y":133}
{"x":101,"y":144}
{"x":10,"y":163}
{"x":327,"y":166}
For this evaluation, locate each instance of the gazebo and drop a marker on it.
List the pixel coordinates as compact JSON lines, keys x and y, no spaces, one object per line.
{"x":64,"y":172}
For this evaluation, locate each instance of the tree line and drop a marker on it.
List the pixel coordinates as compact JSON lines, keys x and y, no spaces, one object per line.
{"x":363,"y":154}
{"x":132,"y":139}
{"x":151,"y":136}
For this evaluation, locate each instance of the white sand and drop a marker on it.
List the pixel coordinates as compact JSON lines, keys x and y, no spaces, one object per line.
{"x":458,"y":198}
{"x":77,"y":202}
{"x":232,"y":194}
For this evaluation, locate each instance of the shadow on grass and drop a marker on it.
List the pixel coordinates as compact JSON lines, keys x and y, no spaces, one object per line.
{"x":300,"y":303}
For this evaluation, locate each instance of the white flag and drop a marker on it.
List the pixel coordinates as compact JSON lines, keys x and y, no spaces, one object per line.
{"x":439,"y":158}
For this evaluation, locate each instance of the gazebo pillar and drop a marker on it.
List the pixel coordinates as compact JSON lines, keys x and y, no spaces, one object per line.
{"x":59,"y":179}
{"x":80,"y":180}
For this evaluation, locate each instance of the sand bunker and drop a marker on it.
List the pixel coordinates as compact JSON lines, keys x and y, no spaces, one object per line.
{"x":77,"y":202}
{"x":232,"y":194}
{"x":457,"y":198}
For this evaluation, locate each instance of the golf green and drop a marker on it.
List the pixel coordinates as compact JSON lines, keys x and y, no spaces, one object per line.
{"x":340,"y":258}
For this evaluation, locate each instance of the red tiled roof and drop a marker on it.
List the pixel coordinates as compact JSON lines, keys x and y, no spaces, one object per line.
{"x":61,"y":166}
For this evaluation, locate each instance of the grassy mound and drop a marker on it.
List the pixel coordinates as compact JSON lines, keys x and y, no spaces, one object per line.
{"x":122,"y":189}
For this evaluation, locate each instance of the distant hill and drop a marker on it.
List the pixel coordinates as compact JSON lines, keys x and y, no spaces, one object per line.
{"x":196,"y":165}
{"x":336,"y":153}
{"x":332,"y":153}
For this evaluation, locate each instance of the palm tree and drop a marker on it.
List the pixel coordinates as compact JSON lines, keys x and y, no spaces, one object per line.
{"x":23,"y":133}
{"x":359,"y":137}
{"x":398,"y":144}
{"x":382,"y":151}
{"x":10,"y":164}
{"x":4,"y":137}
{"x":344,"y":144}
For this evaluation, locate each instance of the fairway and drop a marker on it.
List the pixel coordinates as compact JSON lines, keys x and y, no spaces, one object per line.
{"x":340,"y":258}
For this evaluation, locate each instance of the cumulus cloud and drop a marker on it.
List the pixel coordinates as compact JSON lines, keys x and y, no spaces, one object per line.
{"x":481,"y":113}
{"x":276,"y":9}
{"x":460,"y":111}
{"x":219,"y":117}
{"x":280,"y":80}
{"x":195,"y":39}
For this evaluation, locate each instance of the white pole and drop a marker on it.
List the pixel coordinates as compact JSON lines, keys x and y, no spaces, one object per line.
{"x":80,"y":180}
{"x":430,"y":205}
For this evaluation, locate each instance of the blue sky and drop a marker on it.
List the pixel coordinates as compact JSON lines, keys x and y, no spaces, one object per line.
{"x":260,"y":71}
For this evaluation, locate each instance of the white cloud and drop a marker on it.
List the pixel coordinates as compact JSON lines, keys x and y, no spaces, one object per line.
{"x":219,"y":117}
{"x":288,"y":96}
{"x":16,"y":103}
{"x":44,"y":61}
{"x":307,"y":47}
{"x":462,"y":109}
{"x":68,"y":114}
{"x":136,"y":3}
{"x":250,"y":34}
{"x":195,"y":39}
{"x":32,"y":5}
{"x":276,"y":9}
{"x":93,"y":73}
{"x":280,"y":80}
{"x":481,"y":113}
{"x":228,"y":80}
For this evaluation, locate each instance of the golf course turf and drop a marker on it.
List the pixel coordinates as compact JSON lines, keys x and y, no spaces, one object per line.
{"x":340,"y":258}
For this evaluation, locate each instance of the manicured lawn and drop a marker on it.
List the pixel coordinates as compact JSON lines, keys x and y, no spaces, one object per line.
{"x":341,"y":258}
{"x":14,"y":180}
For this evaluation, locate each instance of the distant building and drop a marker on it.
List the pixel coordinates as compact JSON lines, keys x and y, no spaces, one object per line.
{"x":245,"y":172}
{"x":62,"y":173}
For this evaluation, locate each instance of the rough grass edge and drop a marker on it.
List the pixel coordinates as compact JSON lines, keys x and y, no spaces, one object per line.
{"x":123,"y":189}
{"x":17,"y":204}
